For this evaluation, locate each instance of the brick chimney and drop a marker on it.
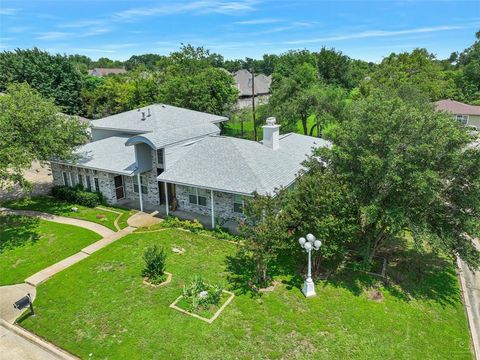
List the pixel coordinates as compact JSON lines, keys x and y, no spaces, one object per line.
{"x":271,"y":134}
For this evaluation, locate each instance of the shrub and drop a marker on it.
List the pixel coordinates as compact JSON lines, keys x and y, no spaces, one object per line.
{"x":154,"y":270}
{"x":192,"y":294}
{"x":78,"y":195}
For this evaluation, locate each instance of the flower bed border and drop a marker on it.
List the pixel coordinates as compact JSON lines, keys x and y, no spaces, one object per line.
{"x":212,"y":319}
{"x":167,"y":281}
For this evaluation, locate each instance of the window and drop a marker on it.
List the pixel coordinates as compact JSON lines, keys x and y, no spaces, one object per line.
{"x":73,"y":179}
{"x":89,"y":184}
{"x":66,"y":179}
{"x":462,"y":119}
{"x":197,"y":196}
{"x":160,"y":156}
{"x":238,"y":204}
{"x":97,"y":186}
{"x":80,"y":179}
{"x":143,"y":184}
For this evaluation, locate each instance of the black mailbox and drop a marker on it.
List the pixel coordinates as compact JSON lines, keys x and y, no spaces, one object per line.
{"x":24,"y":302}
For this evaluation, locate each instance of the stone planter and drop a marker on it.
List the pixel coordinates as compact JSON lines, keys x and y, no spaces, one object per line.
{"x":167,"y":281}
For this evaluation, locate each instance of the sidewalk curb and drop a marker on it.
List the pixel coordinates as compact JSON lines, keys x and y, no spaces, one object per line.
{"x":49,"y":347}
{"x":474,"y":335}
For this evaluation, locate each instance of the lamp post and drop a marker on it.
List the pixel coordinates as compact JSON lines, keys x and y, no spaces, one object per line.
{"x":309,"y":244}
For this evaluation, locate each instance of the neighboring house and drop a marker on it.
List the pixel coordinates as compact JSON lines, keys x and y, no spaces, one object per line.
{"x":169,"y":158}
{"x":106,"y":71}
{"x":469,"y":115}
{"x":243,"y":82}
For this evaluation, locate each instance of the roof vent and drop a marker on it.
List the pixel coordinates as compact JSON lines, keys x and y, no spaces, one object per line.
{"x":143,"y":115}
{"x":148,"y":112}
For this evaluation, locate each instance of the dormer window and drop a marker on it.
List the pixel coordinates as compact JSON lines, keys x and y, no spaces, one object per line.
{"x":160,"y":154}
{"x":462,"y":119}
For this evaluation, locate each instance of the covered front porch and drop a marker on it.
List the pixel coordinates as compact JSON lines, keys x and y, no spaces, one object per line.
{"x":160,"y":212}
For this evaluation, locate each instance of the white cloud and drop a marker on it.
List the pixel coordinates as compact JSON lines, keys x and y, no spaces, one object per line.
{"x":198,"y":7}
{"x":53,"y":35}
{"x":257,"y":21}
{"x":375,"y":34}
{"x":8,"y":11}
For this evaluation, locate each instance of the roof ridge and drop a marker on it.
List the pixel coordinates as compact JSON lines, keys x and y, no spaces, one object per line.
{"x":259,"y":180}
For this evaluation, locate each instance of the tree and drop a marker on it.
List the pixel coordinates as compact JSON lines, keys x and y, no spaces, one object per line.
{"x":468,"y":78}
{"x":149,"y":61}
{"x":265,"y":235}
{"x":54,"y":76}
{"x":418,"y":68}
{"x":105,"y":62}
{"x":295,"y":97}
{"x":407,"y":167}
{"x":33,"y":129}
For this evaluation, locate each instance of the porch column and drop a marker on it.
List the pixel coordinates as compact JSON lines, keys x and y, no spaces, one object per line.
{"x":212,"y":209}
{"x":166,"y":198}
{"x":140,"y":191}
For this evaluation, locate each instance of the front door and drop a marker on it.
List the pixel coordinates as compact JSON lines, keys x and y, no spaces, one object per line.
{"x":119,"y":190}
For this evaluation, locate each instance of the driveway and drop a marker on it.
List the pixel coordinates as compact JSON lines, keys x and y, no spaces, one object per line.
{"x":41,"y":179}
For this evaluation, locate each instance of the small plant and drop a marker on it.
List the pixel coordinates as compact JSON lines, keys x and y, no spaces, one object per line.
{"x":154,"y":270}
{"x":77,"y":195}
{"x":200,"y":295}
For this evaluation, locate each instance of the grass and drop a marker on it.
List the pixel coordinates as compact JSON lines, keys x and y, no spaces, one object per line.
{"x":57,"y":207}
{"x":234,"y":127}
{"x":208,"y":312}
{"x":100,"y":306}
{"x":28,"y":245}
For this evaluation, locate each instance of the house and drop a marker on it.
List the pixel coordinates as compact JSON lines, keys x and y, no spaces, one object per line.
{"x":243,"y":82}
{"x":468,"y":115}
{"x":106,"y":71}
{"x":174,"y":160}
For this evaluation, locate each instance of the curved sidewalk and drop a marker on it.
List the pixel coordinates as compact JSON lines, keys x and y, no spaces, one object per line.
{"x":103,"y":231}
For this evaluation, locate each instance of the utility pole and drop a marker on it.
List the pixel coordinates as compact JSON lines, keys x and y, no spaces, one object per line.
{"x":253,"y":105}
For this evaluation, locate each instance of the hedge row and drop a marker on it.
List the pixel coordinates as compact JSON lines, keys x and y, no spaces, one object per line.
{"x":78,"y":195}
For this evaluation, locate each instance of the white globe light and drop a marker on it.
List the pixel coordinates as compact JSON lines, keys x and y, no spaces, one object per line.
{"x":317,"y":244}
{"x":308,"y":246}
{"x":302,"y":241}
{"x":310,"y":238}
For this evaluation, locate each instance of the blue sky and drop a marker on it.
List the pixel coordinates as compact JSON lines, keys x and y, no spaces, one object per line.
{"x":118,"y":29}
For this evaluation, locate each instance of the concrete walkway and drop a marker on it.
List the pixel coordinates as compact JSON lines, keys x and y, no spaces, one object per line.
{"x":103,"y":231}
{"x":470,"y":282}
{"x":19,"y":344}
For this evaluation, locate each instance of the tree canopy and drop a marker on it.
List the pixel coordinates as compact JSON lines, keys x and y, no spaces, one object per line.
{"x":33,"y":130}
{"x":54,"y":76}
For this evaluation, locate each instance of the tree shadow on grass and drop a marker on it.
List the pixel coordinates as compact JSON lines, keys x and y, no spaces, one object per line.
{"x":17,"y":231}
{"x":410,"y":274}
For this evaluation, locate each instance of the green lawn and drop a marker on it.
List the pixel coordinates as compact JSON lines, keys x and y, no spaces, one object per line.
{"x":28,"y":245}
{"x":57,"y":207}
{"x":100,"y":306}
{"x":235,"y":126}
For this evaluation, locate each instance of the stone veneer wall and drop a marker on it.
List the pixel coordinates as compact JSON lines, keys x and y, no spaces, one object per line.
{"x":223,"y":204}
{"x":107,"y":184}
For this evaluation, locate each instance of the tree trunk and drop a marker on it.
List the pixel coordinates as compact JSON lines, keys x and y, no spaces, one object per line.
{"x":304,"y":124}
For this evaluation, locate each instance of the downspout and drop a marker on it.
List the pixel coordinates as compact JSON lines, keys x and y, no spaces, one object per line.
{"x":213,"y":210}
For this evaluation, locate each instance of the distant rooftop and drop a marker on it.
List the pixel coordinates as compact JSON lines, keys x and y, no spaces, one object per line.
{"x":243,"y":81}
{"x":106,"y":71}
{"x":457,"y":108}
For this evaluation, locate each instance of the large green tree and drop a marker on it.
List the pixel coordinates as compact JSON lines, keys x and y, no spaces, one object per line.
{"x":54,"y":76}
{"x":407,"y":167}
{"x":33,"y":130}
{"x":295,"y":97}
{"x":418,"y":68}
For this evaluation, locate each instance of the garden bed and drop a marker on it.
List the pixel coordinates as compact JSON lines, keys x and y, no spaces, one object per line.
{"x":209,"y":314}
{"x":168,"y":280}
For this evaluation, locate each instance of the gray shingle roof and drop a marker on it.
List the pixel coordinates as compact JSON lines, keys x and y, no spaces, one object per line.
{"x":241,"y":166}
{"x":162,"y":118}
{"x":243,"y":81}
{"x":161,"y":139}
{"x":108,"y":154}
